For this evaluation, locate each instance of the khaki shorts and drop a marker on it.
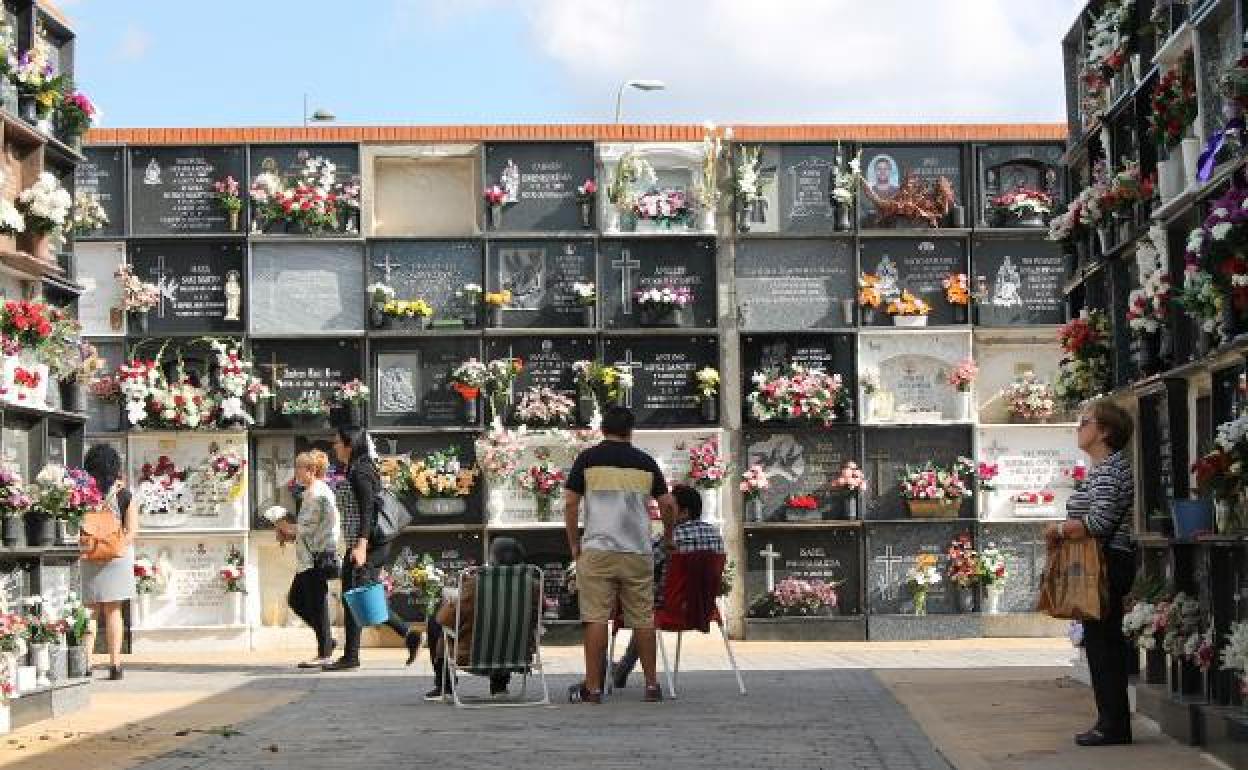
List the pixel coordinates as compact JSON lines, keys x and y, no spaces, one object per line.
{"x":605,"y":577}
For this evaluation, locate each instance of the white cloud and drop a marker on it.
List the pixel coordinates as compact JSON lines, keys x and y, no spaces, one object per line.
{"x":813,"y":60}
{"x":135,"y":42}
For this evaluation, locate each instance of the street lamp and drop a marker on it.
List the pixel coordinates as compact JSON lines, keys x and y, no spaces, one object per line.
{"x":640,"y":85}
{"x":321,"y":115}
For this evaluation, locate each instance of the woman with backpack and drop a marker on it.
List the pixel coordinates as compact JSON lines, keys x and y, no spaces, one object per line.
{"x":106,"y":583}
{"x":357,"y":502}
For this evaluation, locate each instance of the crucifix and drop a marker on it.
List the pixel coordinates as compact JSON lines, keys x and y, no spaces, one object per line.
{"x":274,"y":368}
{"x":879,"y":458}
{"x":631,"y":365}
{"x":888,"y":589}
{"x":162,"y":284}
{"x":770,"y":554}
{"x":387,"y":266}
{"x":625,"y":264}
{"x":995,"y":449}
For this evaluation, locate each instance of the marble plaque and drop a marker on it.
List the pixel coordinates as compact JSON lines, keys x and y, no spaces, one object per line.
{"x":892,"y":549}
{"x":830,"y":555}
{"x":788,"y":284}
{"x":425,"y":196}
{"x":99,"y":306}
{"x":1024,"y":549}
{"x":298,"y":288}
{"x":1030,"y":459}
{"x":204,"y":504}
{"x":801,"y":463}
{"x":189,"y":590}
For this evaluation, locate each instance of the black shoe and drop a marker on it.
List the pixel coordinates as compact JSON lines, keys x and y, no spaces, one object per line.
{"x":1099,"y":738}
{"x":413,"y":646}
{"x":342,"y":664}
{"x":114,"y":673}
{"x":437,"y":693}
{"x":619,"y":679}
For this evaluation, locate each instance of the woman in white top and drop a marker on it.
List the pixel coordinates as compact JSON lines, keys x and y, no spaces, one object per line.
{"x":315,"y":530}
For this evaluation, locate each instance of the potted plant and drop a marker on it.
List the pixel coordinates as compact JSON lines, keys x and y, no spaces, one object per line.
{"x":500,"y":379}
{"x":706,"y":385}
{"x":869,"y":297}
{"x":663,"y":306}
{"x":138,"y":297}
{"x":963,"y":570}
{"x":233,"y":579}
{"x":753,"y":483}
{"x":707,"y":471}
{"x":587,"y":297}
{"x":848,"y":483}
{"x":77,"y":630}
{"x":495,"y":197}
{"x":495,"y":301}
{"x":46,"y":207}
{"x":1028,"y":400}
{"x":585,"y":193}
{"x":353,"y":396}
{"x":544,"y":408}
{"x":919,"y":580}
{"x":845,"y":180}
{"x":958,"y":295}
{"x":935,"y":492}
{"x":145,"y":576}
{"x":470,"y":297}
{"x":1021,"y":207}
{"x":15,"y":503}
{"x":908,"y":310}
{"x":416,"y":311}
{"x":992,"y":576}
{"x":796,"y":598}
{"x":38,"y":86}
{"x":545,"y":482}
{"x":962,"y":377}
{"x":795,"y":393}
{"x":468,"y":379}
{"x":440,"y":483}
{"x":379,"y":295}
{"x":307,"y":412}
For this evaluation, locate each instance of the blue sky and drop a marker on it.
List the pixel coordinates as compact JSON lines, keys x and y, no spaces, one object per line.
{"x":176,"y":63}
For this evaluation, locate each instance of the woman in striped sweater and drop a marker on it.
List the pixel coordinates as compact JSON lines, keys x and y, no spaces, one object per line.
{"x":1102,"y":508}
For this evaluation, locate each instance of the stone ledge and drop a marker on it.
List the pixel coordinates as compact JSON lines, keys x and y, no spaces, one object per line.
{"x":917,"y":627}
{"x":833,"y":629}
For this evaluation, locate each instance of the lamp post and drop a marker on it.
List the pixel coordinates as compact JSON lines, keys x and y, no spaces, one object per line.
{"x":640,"y":85}
{"x":320,"y":115}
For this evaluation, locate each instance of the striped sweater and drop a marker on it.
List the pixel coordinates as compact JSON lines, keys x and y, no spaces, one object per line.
{"x":1106,"y":501}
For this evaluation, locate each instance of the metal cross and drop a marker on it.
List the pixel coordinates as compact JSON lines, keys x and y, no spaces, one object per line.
{"x":770,"y":554}
{"x":274,"y":373}
{"x":889,"y":559}
{"x":625,"y":265}
{"x":387,"y":266}
{"x":161,"y":273}
{"x":879,"y":458}
{"x":629,"y":364}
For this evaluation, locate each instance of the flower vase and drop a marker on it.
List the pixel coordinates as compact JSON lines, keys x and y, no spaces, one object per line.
{"x":851,"y":506}
{"x":710,"y":409}
{"x":1125,"y":226}
{"x":960,"y":313}
{"x":847,"y":311}
{"x":920,"y":602}
{"x":66,"y":532}
{"x":992,"y":598}
{"x":28,"y":108}
{"x":743,"y":217}
{"x":909,"y":321}
{"x":140,"y":323}
{"x":868,"y":407}
{"x":613,"y":220}
{"x":964,"y":398}
{"x":40,"y":529}
{"x":1191,"y":161}
{"x":496,"y":216}
{"x":495,"y":503}
{"x":12,"y":530}
{"x":754,"y":509}
{"x":868,"y":315}
{"x":710,"y":503}
{"x":544,"y":507}
{"x":1222,"y":515}
{"x":587,"y":214}
{"x":39,"y":246}
{"x":472,"y":410}
{"x":1104,"y":236}
{"x":957,"y":216}
{"x":966,"y":599}
{"x":1165,"y":181}
{"x":78,"y":662}
{"x":355,"y":413}
{"x":233,"y":215}
{"x":377,"y":318}
{"x":843,"y":222}
{"x":496,"y":317}
{"x":261,"y":415}
{"x":41,"y":659}
{"x":142,"y":610}
{"x":234,"y":608}
{"x":706,"y":220}
{"x":586,"y":405}
{"x":588,"y":318}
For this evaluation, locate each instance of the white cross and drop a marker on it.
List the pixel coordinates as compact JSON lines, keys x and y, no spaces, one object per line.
{"x":889,"y":589}
{"x":629,"y":364}
{"x":770,"y":554}
{"x":388,"y":266}
{"x":625,"y":265}
{"x":161,"y":273}
{"x":995,"y":449}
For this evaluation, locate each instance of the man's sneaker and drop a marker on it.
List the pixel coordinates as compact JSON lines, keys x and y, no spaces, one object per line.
{"x":654,"y":694}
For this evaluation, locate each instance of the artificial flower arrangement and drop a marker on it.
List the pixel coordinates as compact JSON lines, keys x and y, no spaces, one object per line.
{"x":162,"y":488}
{"x":1067,"y":225}
{"x":749,"y":174}
{"x":1174,"y":105}
{"x":707,"y":468}
{"x":1216,"y":268}
{"x":1234,"y":654}
{"x":1128,"y":187}
{"x":908,"y":305}
{"x":963,"y":567}
{"x":957,"y":289}
{"x":307,"y":405}
{"x":991,"y":566}
{"x":1148,"y":306}
{"x":497,"y":299}
{"x":802,"y":502}
{"x":666,"y":207}
{"x":137,"y":296}
{"x":586,"y":191}
{"x":1084,"y":368}
{"x":77,"y":113}
{"x":468,"y":379}
{"x":606,"y":384}
{"x":311,"y":198}
{"x":380,"y":294}
{"x":423,"y":580}
{"x":544,"y":480}
{"x":921,"y":578}
{"x":1106,"y":47}
{"x":45,"y":205}
{"x":706,"y":383}
{"x":1202,"y":299}
{"x":15,"y":501}
{"x":145,"y":576}
{"x":795,"y":597}
{"x":665,"y":297}
{"x":228,"y":198}
{"x":754,"y":482}
{"x":500,"y":375}
{"x":225,"y":469}
{"x":1043,"y":497}
{"x":351,"y":393}
{"x":963,"y":376}
{"x":850,"y":479}
{"x":932,"y":482}
{"x":1030,"y":399}
{"x":233,"y":574}
{"x":152,"y":400}
{"x":1021,"y":204}
{"x":586,"y":293}
{"x":407,"y":308}
{"x":437,"y":475}
{"x":915,"y":200}
{"x":494,"y":195}
{"x":498,"y":452}
{"x":64,"y":493}
{"x":1220,"y":470}
{"x":237,"y":384}
{"x":543,"y":407}
{"x":986,"y":474}
{"x":796,"y":392}
{"x":88,"y":214}
{"x":33,"y":74}
{"x":869,"y":295}
{"x":846,"y":177}
{"x":1182,"y":621}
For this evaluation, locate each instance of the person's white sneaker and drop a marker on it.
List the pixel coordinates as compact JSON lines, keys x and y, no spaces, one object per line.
{"x":317,"y":662}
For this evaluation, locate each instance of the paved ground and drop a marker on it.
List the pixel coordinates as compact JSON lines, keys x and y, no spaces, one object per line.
{"x":900,"y":706}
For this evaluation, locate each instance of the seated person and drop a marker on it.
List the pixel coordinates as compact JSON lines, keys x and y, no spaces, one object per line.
{"x":690,"y":535}
{"x":504,"y":552}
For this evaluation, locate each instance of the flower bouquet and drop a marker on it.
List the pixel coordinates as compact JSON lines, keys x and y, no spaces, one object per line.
{"x":468,"y":380}
{"x":663,"y":306}
{"x":1084,"y":369}
{"x":416,"y":312}
{"x":846,"y":177}
{"x":848,"y":483}
{"x":47,"y":207}
{"x":796,"y":393}
{"x":908,"y":310}
{"x":707,"y":469}
{"x":439,"y":482}
{"x":495,"y":198}
{"x":1174,"y":107}
{"x":1234,"y":655}
{"x":963,"y":570}
{"x":352,"y":396}
{"x":1029,"y":400}
{"x":920,"y":578}
{"x":15,"y":502}
{"x":753,"y":483}
{"x":604,"y":385}
{"x":992,"y":576}
{"x":137,"y":297}
{"x":958,"y":295}
{"x":500,"y":377}
{"x":961,"y":378}
{"x":796,"y":598}
{"x":802,"y":508}
{"x":87,"y":217}
{"x":752,"y":204}
{"x":307,"y":412}
{"x":585,"y":193}
{"x":229,"y":199}
{"x":869,"y":297}
{"x":917,"y":203}
{"x":586,"y":295}
{"x":494,"y":302}
{"x":935,"y":492}
{"x":706,"y":391}
{"x":225,"y":474}
{"x":1021,"y":207}
{"x":545,"y":481}
{"x":163,"y":496}
{"x":66,"y":495}
{"x":542,"y":407}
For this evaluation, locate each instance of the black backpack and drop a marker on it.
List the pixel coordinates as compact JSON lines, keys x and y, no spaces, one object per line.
{"x":391,"y":517}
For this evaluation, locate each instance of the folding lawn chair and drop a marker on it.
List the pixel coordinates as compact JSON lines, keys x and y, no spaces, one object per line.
{"x":505,"y":633}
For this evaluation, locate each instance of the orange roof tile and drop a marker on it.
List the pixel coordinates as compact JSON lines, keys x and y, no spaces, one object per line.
{"x":870,"y":132}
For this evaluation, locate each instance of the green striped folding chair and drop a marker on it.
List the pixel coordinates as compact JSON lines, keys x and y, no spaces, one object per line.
{"x":505,"y":634}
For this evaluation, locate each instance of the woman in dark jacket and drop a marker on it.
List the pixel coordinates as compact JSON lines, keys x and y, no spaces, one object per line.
{"x":1101,"y":508}
{"x":363,"y":559}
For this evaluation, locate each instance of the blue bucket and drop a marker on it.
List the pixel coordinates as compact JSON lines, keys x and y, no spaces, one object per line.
{"x":368,"y":604}
{"x":1191,"y":518}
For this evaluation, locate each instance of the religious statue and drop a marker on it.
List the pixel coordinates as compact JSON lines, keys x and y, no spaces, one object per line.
{"x":1009,"y":282}
{"x":509,"y":180}
{"x":151,"y":175}
{"x":886,"y":271}
{"x":233,"y":297}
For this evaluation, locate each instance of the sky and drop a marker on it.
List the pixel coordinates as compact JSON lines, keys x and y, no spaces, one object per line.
{"x":236,"y":62}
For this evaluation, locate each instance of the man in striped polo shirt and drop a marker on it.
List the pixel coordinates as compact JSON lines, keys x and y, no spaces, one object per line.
{"x":614,"y":565}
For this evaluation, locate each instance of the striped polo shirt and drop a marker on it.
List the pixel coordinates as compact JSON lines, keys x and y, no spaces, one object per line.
{"x":1105,"y":502}
{"x":616,"y":479}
